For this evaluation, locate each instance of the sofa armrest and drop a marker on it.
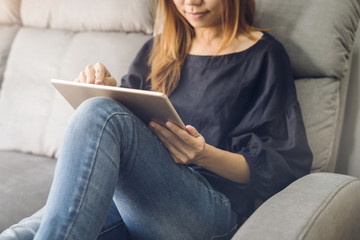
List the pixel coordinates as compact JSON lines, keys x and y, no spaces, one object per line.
{"x":317,"y":206}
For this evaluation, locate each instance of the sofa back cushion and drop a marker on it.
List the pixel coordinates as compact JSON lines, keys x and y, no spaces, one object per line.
{"x":33,"y":115}
{"x":10,"y":12}
{"x":85,"y":15}
{"x":319,"y":101}
{"x":58,"y":39}
{"x":7,"y":33}
{"x":9,"y":20}
{"x":318,"y":34}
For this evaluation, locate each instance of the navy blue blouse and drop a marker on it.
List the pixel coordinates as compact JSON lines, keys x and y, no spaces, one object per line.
{"x":245,"y":103}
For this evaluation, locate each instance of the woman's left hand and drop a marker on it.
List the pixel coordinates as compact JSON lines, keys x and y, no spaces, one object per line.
{"x":185,"y":146}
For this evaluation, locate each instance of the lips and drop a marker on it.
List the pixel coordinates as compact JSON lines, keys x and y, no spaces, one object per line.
{"x":196,"y":15}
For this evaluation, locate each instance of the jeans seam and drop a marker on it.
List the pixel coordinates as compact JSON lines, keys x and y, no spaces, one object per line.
{"x":117,"y":114}
{"x":147,"y":129}
{"x":141,"y":124}
{"x":210,"y":189}
{"x":223,"y":235}
{"x":215,"y":194}
{"x":111,"y":228}
{"x":91,"y":169}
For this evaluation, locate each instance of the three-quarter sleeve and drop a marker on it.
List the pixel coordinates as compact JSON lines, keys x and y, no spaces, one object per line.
{"x":139,"y":69}
{"x":271,"y":134}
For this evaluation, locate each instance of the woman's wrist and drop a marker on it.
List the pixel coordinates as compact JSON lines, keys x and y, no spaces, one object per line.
{"x":232,"y":166}
{"x":204,"y":156}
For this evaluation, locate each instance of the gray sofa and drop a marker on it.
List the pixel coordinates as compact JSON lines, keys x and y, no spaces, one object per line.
{"x":45,"y":39}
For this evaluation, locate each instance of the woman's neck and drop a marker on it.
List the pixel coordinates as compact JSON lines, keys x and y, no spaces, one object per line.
{"x":208,"y":42}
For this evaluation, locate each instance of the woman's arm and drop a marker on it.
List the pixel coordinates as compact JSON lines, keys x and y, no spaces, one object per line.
{"x":232,"y":166}
{"x":189,"y":147}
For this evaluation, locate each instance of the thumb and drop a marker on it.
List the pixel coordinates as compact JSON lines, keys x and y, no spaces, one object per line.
{"x":192,"y":131}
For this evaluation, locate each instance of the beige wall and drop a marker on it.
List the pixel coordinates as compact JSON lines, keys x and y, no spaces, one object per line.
{"x":349,"y":153}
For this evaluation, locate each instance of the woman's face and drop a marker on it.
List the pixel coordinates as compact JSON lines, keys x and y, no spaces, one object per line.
{"x":201,"y":13}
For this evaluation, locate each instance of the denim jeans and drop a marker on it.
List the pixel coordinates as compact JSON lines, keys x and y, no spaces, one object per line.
{"x":114,"y":179}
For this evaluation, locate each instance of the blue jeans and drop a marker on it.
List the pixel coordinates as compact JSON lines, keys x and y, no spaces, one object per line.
{"x":115,"y":180}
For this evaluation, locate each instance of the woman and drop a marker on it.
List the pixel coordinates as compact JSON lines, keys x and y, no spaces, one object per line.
{"x":233,"y":84}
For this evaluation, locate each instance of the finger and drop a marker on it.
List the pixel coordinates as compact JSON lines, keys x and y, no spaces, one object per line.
{"x":90,"y":74}
{"x":158,"y":129}
{"x":176,"y":147}
{"x":168,"y":144}
{"x":82,"y":77}
{"x":179,"y":132}
{"x":170,"y":140}
{"x":100,"y":73}
{"x":110,"y":81}
{"x":77,"y":80}
{"x":176,"y":155}
{"x":176,"y":159}
{"x":192,"y":131}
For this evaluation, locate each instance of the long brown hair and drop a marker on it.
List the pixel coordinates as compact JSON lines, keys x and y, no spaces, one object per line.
{"x":171,"y":47}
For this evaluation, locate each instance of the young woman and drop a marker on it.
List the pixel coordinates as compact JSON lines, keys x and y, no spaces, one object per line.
{"x":233,"y":84}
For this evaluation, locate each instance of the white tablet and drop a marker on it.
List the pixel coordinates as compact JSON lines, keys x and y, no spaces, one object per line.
{"x":147,"y":105}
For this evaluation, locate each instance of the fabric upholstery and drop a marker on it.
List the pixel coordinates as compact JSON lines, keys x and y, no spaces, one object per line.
{"x":340,"y":218}
{"x":10,"y":12}
{"x":25,"y":182}
{"x":33,"y":115}
{"x":317,"y":34}
{"x":7,"y":34}
{"x":82,"y":15}
{"x":308,"y":209}
{"x":321,"y":118}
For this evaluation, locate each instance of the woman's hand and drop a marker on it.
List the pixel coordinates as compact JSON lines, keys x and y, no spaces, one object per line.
{"x":188,"y":146}
{"x":185,"y":147}
{"x":96,"y":74}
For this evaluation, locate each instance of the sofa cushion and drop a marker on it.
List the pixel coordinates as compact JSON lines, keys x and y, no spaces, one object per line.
{"x":85,"y":15}
{"x":7,"y":34}
{"x":318,"y":35}
{"x":25,"y":183}
{"x":320,"y":206}
{"x":10,"y":12}
{"x":319,"y":101}
{"x":33,"y":115}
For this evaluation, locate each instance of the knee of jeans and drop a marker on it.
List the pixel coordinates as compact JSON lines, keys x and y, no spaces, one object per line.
{"x":97,"y":104}
{"x":96,"y":107}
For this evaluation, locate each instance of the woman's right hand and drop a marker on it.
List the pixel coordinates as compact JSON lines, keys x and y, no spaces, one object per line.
{"x":96,"y":74}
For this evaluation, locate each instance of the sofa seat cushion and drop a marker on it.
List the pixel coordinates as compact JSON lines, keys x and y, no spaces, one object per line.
{"x":25,"y":182}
